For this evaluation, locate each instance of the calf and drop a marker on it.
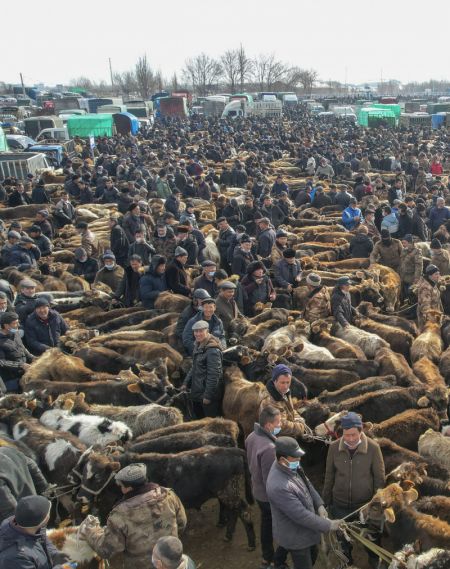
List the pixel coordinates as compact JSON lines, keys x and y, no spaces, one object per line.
{"x":429,"y":343}
{"x":437,"y":506}
{"x":195,"y":476}
{"x":395,"y":364}
{"x":68,"y":541}
{"x":405,"y":525}
{"x":428,"y":373}
{"x":100,"y":358}
{"x":398,"y":340}
{"x":128,"y":319}
{"x":368,"y":342}
{"x":373,"y":312}
{"x":179,"y":442}
{"x":435,"y":446}
{"x":317,"y":380}
{"x":94,"y":320}
{"x":357,"y":388}
{"x":217,"y":425}
{"x":360,"y":369}
{"x":339,"y":348}
{"x":382,"y":405}
{"x":417,"y":474}
{"x":169,"y":301}
{"x":444,"y":365}
{"x":56,"y":366}
{"x":90,"y":429}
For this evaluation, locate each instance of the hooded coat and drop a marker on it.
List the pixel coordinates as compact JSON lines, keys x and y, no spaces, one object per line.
{"x":152,"y":284}
{"x":205,"y":378}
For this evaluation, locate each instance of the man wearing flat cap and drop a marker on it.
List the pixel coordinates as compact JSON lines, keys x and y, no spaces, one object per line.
{"x":43,"y":327}
{"x":411,"y":264}
{"x":23,"y":539}
{"x":341,"y":302}
{"x":206,"y":314}
{"x":185,"y":240}
{"x":226,"y":307}
{"x":176,"y":275}
{"x":14,"y":357}
{"x":266,"y":237}
{"x":205,"y":379}
{"x":428,"y":294}
{"x":225,"y":240}
{"x":242,"y":256}
{"x":288,"y":271}
{"x":145,"y":513}
{"x":25,"y":254}
{"x":25,"y":300}
{"x":318,"y":302}
{"x":279,"y":246}
{"x":354,"y":472}
{"x":206,"y":279}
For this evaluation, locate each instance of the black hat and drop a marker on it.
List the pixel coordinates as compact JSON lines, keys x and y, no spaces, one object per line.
{"x":385,"y":233}
{"x":408,"y":238}
{"x":208,"y":263}
{"x":281,"y":233}
{"x":252,"y":267}
{"x":289,"y":254}
{"x":221,"y":219}
{"x":42,"y":301}
{"x":343,"y":281}
{"x":288,"y":446}
{"x":430,"y":270}
{"x":31,"y":511}
{"x":208,"y":300}
{"x":435,"y":243}
{"x":245,"y":238}
{"x":35,"y":229}
{"x":8,"y":318}
{"x":201,"y":294}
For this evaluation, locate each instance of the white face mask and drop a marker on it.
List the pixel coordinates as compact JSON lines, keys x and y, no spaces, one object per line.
{"x":110,"y":267}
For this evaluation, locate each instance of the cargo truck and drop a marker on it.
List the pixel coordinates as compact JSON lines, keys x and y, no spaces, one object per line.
{"x":173,"y":107}
{"x":241,"y":108}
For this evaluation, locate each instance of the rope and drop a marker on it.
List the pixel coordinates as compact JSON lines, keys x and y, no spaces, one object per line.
{"x":404,"y":309}
{"x":382,"y":553}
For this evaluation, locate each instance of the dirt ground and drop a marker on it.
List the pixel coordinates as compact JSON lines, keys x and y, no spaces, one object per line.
{"x":204,"y":542}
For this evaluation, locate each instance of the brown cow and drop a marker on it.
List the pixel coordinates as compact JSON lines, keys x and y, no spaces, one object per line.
{"x":169,"y":301}
{"x":429,"y":343}
{"x":428,"y":372}
{"x":399,"y":340}
{"x":373,"y":312}
{"x":417,"y":474}
{"x":393,"y":363}
{"x":339,"y":348}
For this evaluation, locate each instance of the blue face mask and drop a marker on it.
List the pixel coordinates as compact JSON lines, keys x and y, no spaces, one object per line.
{"x":276,"y":431}
{"x":294,"y":465}
{"x":13,"y":331}
{"x":211,"y":274}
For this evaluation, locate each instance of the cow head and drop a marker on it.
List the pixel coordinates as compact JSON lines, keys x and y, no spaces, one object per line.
{"x":96,"y":470}
{"x":407,"y":473}
{"x":302,"y":328}
{"x":12,"y":401}
{"x":319,"y":326}
{"x":262,"y":306}
{"x":330,"y":425}
{"x":370,"y":292}
{"x":238,"y":355}
{"x":436,"y":398}
{"x":71,"y":401}
{"x":433,"y":316}
{"x":386,"y":502}
{"x":314,"y":413}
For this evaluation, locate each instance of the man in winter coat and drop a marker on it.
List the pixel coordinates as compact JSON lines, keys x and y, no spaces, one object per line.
{"x":318,"y":301}
{"x":191,"y":310}
{"x":23,"y":540}
{"x":164,"y":240}
{"x":428,"y":294}
{"x":39,"y":195}
{"x":242,"y":256}
{"x":20,"y":476}
{"x":419,"y":223}
{"x":343,"y":197}
{"x":266,"y":238}
{"x":411,"y":264}
{"x":299,"y":517}
{"x":351,"y":216}
{"x":257,"y":287}
{"x":205,"y":378}
{"x":42,"y":219}
{"x":272,"y":211}
{"x":89,"y":241}
{"x":26,"y":299}
{"x":389,"y":221}
{"x":43,"y":328}
{"x":25,"y":254}
{"x":369,"y":222}
{"x":260,"y":447}
{"x":250,"y":212}
{"x":132,"y":221}
{"x":226,"y":237}
{"x":168,"y":554}
{"x":277,"y":394}
{"x":110,"y":192}
{"x":176,"y":275}
{"x":84,"y":266}
{"x":119,"y":241}
{"x":279,"y":246}
{"x":226,"y":307}
{"x":354,"y":473}
{"x":361,"y":245}
{"x":440,"y":257}
{"x":145,"y":513}
{"x":141,"y":247}
{"x":153,"y":282}
{"x":341,"y":303}
{"x":172,"y":203}
{"x":163,"y":190}
{"x":215,"y":325}
{"x":128,"y":291}
{"x":405,"y":221}
{"x":14,"y":357}
{"x":233,"y":213}
{"x":111,"y":274}
{"x":288,"y":271}
{"x":188,"y":243}
{"x":42,"y":242}
{"x":188,"y":214}
{"x":439,"y":214}
{"x":64,"y":212}
{"x":206,"y":279}
{"x":387,"y":251}
{"x":19,"y":197}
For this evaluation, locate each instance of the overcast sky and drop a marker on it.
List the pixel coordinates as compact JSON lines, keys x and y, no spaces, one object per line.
{"x":55,"y":41}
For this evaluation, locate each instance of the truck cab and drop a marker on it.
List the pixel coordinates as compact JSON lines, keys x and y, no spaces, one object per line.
{"x":53,"y":134}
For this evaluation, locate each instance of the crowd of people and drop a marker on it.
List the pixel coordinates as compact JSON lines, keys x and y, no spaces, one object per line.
{"x":390,"y":189}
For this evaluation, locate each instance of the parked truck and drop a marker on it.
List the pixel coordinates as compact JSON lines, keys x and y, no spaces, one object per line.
{"x":173,"y":107}
{"x":214,"y":105}
{"x":34,"y":125}
{"x":20,"y":164}
{"x":242,"y":108}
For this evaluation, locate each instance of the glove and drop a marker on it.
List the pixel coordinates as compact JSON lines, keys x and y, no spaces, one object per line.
{"x":322,"y":511}
{"x":89,"y":523}
{"x":336,"y":524}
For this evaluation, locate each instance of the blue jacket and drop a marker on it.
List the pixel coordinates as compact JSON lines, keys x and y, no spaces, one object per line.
{"x":437,"y":217}
{"x":294,"y":503}
{"x":215,"y":328}
{"x":390,"y":222}
{"x":19,"y":550}
{"x":152,"y":284}
{"x":24,"y":258}
{"x":40,"y":336}
{"x":348,"y":216}
{"x":285,"y":273}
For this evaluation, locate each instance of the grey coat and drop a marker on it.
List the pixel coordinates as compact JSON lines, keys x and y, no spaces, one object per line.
{"x":285,"y":273}
{"x":260,"y":447}
{"x":294,"y":503}
{"x":205,"y":379}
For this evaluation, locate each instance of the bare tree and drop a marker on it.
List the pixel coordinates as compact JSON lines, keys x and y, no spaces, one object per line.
{"x":245,"y":67}
{"x":126,"y":82}
{"x":268,"y":70}
{"x":174,"y":82}
{"x":203,"y":72}
{"x":307,"y":79}
{"x":159,"y":80}
{"x":83,"y":82}
{"x":145,"y":78}
{"x":230,"y":66}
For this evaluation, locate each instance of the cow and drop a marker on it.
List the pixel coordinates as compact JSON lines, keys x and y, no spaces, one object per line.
{"x":405,"y":428}
{"x":428,"y":373}
{"x":417,"y":474}
{"x":429,"y":343}
{"x":69,"y":542}
{"x":390,"y":285}
{"x":396,"y":364}
{"x":368,"y":342}
{"x":435,"y":446}
{"x":437,"y":506}
{"x":139,"y":418}
{"x":373,"y":312}
{"x":56,"y":366}
{"x":369,"y":385}
{"x":434,"y":558}
{"x":126,"y":319}
{"x":339,"y":348}
{"x":180,"y":442}
{"x":98,"y":318}
{"x":169,"y":301}
{"x":360,"y":369}
{"x":294,"y":336}
{"x":382,"y":405}
{"x":195,"y":476}
{"x":444,"y":365}
{"x":317,"y":380}
{"x":90,"y":429}
{"x":98,"y":358}
{"x":398,"y":340}
{"x":392,"y":505}
{"x":255,"y":335}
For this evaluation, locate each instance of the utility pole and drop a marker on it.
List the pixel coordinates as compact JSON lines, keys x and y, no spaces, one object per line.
{"x":381,"y":82}
{"x":345,"y":92}
{"x":111,"y":74}
{"x":23,"y":86}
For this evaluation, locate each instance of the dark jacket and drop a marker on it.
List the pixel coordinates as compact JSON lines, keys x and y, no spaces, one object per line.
{"x":419,"y":227}
{"x":46,"y":227}
{"x":233,"y":215}
{"x":87,"y":270}
{"x":191,"y":246}
{"x":205,"y":378}
{"x":24,"y":258}
{"x":40,"y":335}
{"x":260,"y":447}
{"x":274,"y":213}
{"x":12,"y":355}
{"x":294,"y":503}
{"x":239,"y":177}
{"x":152,"y":284}
{"x":266,"y":240}
{"x":405,"y":224}
{"x":39,"y":195}
{"x":20,"y":550}
{"x":224,"y":241}
{"x":44,"y":245}
{"x":285,"y":273}
{"x":254,"y":292}
{"x":177,"y":279}
{"x":63,"y":214}
{"x":131,"y":224}
{"x":17,"y":198}
{"x":437,"y":217}
{"x":188,"y":313}
{"x":215,"y":329}
{"x":119,"y":244}
{"x":19,"y":477}
{"x":341,"y":307}
{"x":173,"y":206}
{"x":241,"y":260}
{"x":209,"y":286}
{"x":361,"y":246}
{"x":128,"y":289}
{"x":23,"y":306}
{"x":144,"y":250}
{"x":351,"y":481}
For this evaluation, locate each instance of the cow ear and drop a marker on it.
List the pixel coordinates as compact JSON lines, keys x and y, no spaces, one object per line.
{"x":32,"y":404}
{"x":82,"y":396}
{"x":407,"y":484}
{"x":134,"y":388}
{"x":69,"y":405}
{"x":410,"y":495}
{"x":389,"y":515}
{"x":114,"y":466}
{"x":423,"y":402}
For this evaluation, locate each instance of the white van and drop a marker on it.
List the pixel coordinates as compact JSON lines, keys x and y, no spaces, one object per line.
{"x":53,"y":134}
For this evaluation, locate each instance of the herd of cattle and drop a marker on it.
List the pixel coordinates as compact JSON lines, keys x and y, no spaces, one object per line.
{"x":109,"y":395}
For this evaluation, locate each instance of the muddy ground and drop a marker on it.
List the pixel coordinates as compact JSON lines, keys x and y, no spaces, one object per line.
{"x":204,"y":542}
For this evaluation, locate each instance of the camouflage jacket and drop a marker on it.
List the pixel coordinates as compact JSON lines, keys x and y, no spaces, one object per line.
{"x":292,"y":425}
{"x":165,"y":246}
{"x":441,"y":258}
{"x":428,"y":297}
{"x":135,"y":524}
{"x":318,"y":304}
{"x":411,"y":265}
